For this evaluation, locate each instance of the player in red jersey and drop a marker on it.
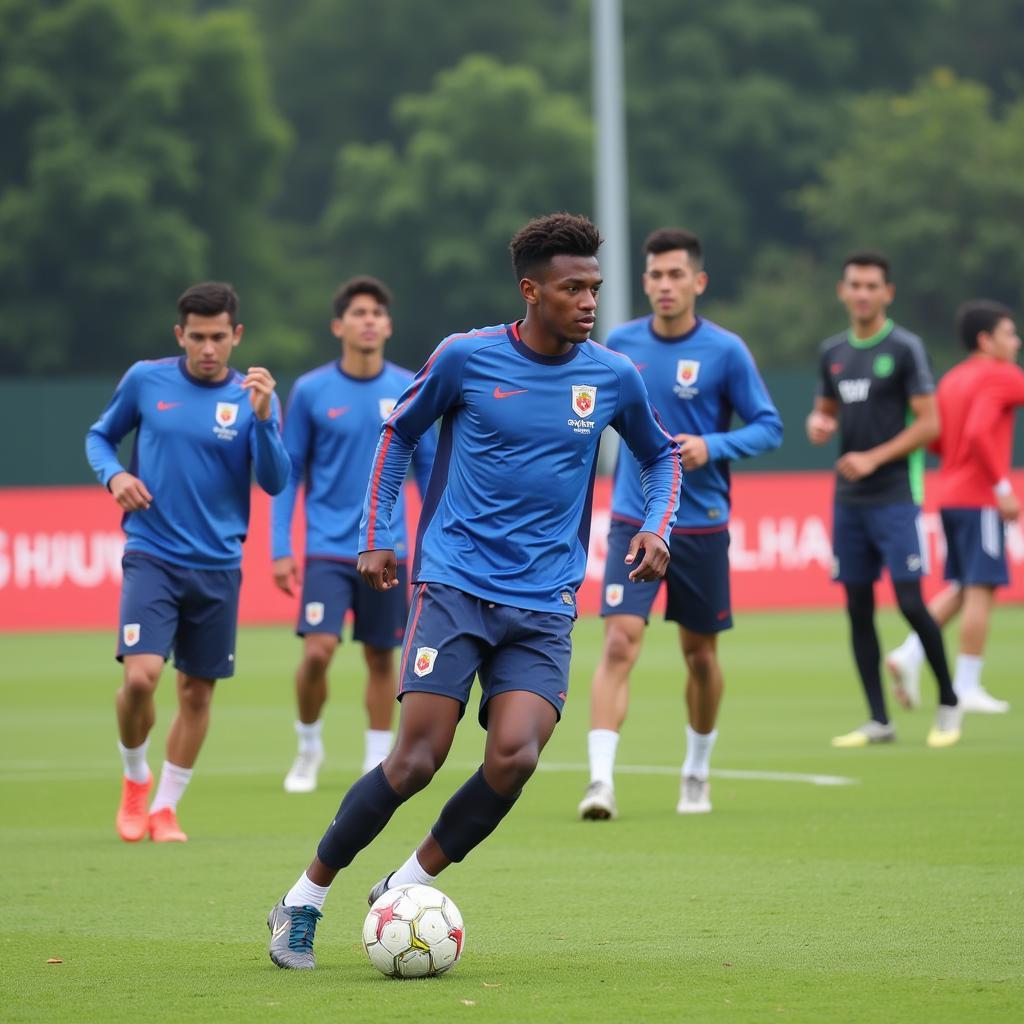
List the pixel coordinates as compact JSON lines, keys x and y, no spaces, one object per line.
{"x":977,"y":399}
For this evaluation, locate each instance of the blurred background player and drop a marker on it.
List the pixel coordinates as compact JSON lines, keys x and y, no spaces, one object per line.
{"x":503,"y":550}
{"x":697,"y":375}
{"x":331,"y":428}
{"x":200,"y":429}
{"x":977,"y":399}
{"x":877,"y":388}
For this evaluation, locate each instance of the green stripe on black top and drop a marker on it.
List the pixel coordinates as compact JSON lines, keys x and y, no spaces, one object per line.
{"x":880,"y":335}
{"x":915,"y":468}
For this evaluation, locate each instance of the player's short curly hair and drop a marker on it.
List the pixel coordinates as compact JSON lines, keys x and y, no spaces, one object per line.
{"x":979,"y":316}
{"x":557,"y":234}
{"x":363,"y":285}
{"x":208,"y":298}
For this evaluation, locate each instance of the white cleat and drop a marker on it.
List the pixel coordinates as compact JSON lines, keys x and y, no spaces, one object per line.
{"x":598,"y":803}
{"x":694,"y":796}
{"x":981,"y":702}
{"x":302,"y":776}
{"x":905,"y":673}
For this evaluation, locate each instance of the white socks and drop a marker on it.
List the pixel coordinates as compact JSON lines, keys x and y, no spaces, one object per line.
{"x":967,"y":678}
{"x":173,"y":781}
{"x":134,"y":761}
{"x":310,"y":741}
{"x":698,"y":752}
{"x":305,"y":893}
{"x":601,"y":747}
{"x":411,"y":873}
{"x":378,"y":745}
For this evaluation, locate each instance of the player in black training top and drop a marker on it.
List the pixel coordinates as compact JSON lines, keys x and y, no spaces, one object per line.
{"x":877,"y":388}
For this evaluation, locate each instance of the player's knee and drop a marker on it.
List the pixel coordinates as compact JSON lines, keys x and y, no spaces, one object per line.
{"x":319,"y":649}
{"x":512,"y":764}
{"x":410,"y":768}
{"x":140,"y":680}
{"x":379,"y":662}
{"x":910,"y":599}
{"x":701,"y":662}
{"x":621,"y":647}
{"x":195,"y":695}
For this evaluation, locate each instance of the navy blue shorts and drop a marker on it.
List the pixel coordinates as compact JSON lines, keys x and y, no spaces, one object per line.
{"x":975,"y":547}
{"x":192,"y":611}
{"x":453,"y":636}
{"x":697,"y":580}
{"x":867,"y":537}
{"x":330,"y":588}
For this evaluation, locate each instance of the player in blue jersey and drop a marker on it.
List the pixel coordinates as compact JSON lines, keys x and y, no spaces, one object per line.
{"x":501,"y":551}
{"x":698,"y":376}
{"x":200,"y":430}
{"x":331,"y":428}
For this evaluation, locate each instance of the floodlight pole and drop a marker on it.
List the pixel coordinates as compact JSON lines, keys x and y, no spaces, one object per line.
{"x":610,"y":163}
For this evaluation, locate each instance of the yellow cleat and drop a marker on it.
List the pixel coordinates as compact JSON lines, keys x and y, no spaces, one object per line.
{"x":946,"y":730}
{"x":869,"y":732}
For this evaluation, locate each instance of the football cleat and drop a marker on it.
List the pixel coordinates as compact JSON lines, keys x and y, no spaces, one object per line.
{"x":132,"y":817}
{"x":980,"y":702}
{"x":946,"y":730}
{"x":164,"y":827}
{"x":869,"y":732}
{"x":598,"y":803}
{"x":905,"y":673}
{"x":292,"y":930}
{"x":379,"y":889}
{"x":694,"y":796}
{"x":302,"y":776}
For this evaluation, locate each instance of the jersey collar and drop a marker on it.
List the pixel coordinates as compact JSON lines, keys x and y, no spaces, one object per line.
{"x":204,"y":383}
{"x":523,"y":349}
{"x":879,"y":335}
{"x":675,"y":337}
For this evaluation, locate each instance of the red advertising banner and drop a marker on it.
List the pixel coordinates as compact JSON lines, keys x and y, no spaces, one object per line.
{"x":60,"y":552}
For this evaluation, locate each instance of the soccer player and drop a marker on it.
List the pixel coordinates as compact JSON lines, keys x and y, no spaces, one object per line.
{"x":331,"y":427}
{"x":501,"y":551}
{"x":697,"y":375}
{"x":876,"y":388}
{"x":200,"y":429}
{"x":977,"y":400}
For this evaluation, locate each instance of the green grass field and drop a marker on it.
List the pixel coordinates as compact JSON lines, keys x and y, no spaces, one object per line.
{"x":897,"y":897}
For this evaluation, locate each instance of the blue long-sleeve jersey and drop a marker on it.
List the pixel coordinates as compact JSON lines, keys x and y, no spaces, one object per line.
{"x":196,"y":444}
{"x":696,"y":382}
{"x":331,"y":426}
{"x":507,"y":511}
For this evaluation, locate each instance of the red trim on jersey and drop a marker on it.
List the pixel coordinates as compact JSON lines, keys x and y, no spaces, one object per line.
{"x":677,"y":474}
{"x":375,"y":486}
{"x":410,"y":635}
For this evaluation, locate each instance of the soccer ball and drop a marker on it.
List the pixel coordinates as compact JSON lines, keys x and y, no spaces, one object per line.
{"x":413,"y":931}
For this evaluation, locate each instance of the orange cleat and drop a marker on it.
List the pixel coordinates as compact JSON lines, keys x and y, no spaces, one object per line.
{"x":164,"y":827}
{"x":132,"y":819}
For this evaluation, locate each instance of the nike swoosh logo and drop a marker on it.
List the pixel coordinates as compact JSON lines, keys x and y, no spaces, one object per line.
{"x":164,"y":406}
{"x":498,"y":393}
{"x":336,"y":412}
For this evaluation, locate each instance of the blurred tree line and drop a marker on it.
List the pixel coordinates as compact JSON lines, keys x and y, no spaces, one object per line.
{"x":285,"y":147}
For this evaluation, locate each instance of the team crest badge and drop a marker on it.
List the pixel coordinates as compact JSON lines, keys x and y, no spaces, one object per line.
{"x":130,"y":633}
{"x":584,"y":400}
{"x":387,"y":407}
{"x":315,"y":612}
{"x":613,"y":595}
{"x":227,"y":413}
{"x":686,"y":372}
{"x":424,"y":663}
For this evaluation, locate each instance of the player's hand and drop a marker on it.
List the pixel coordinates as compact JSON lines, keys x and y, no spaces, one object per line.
{"x":1009,"y":507}
{"x":286,"y":574}
{"x":130,"y":492}
{"x":694,"y":450}
{"x":378,"y":568}
{"x":260,"y":386}
{"x":820,"y":427}
{"x":856,"y":465}
{"x":656,"y":557}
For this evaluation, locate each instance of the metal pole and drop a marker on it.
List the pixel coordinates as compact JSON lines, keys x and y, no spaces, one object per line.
{"x":610,"y":163}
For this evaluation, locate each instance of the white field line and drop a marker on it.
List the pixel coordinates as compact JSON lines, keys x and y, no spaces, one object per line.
{"x":719,"y":773}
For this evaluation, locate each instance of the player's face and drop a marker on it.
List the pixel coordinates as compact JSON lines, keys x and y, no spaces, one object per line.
{"x":864,"y":292}
{"x":208,"y":341}
{"x":364,"y":327}
{"x":672,"y":283}
{"x":566,"y":297}
{"x":1003,"y":343}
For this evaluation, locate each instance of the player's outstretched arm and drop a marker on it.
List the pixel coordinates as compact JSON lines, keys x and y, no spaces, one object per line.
{"x":378,"y":568}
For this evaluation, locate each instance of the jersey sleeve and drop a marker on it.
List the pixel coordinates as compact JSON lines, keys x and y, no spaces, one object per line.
{"x":120,"y":417}
{"x":423,"y":460}
{"x":917,"y":369}
{"x":1001,"y":395}
{"x":433,"y":391}
{"x":270,"y":459}
{"x":762,"y":425}
{"x":296,"y":435}
{"x":661,"y":470}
